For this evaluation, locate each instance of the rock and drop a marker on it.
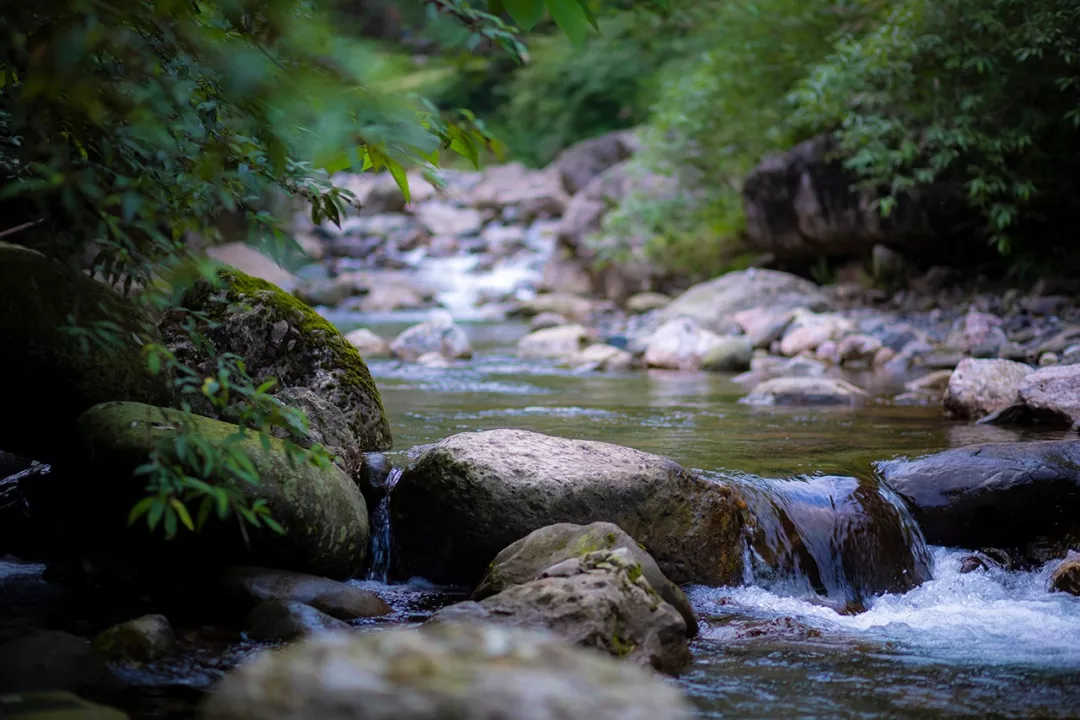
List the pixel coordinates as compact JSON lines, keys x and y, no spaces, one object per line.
{"x":808,"y":330}
{"x":390,"y":297}
{"x":546,"y":320}
{"x":143,"y":639}
{"x":600,"y":600}
{"x":1047,"y":359}
{"x":565,"y":273}
{"x":321,"y":509}
{"x":889,"y":267}
{"x":577,"y":165}
{"x":32,"y":522}
{"x":1066,"y":576}
{"x":368,"y":343}
{"x":733,"y":354}
{"x":530,"y":194}
{"x":572,"y":307}
{"x":504,"y":240}
{"x":556,"y":342}
{"x":1053,"y":391}
{"x":54,"y":705}
{"x":680,"y":344}
{"x":11,"y":464}
{"x":327,"y":424}
{"x":330,"y":292}
{"x":977,"y":333}
{"x":444,"y":219}
{"x":806,"y":391}
{"x":57,"y":379}
{"x":445,"y":670}
{"x":1003,"y":495}
{"x":250,"y":261}
{"x":527,"y":558}
{"x":468,"y":497}
{"x":762,"y":326}
{"x":603,"y":357}
{"x":312,"y":246}
{"x":379,"y":194}
{"x":858,"y":350}
{"x":647,"y":302}
{"x":980,"y":387}
{"x":713,"y":304}
{"x":935,"y":382}
{"x":433,"y":360}
{"x":280,"y":337}
{"x":344,"y":602}
{"x":52,"y":660}
{"x":285,"y":621}
{"x":439,"y":334}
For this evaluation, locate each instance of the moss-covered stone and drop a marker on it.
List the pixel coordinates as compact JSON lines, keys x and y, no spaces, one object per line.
{"x":143,"y":639}
{"x":321,"y":509}
{"x":50,"y":378}
{"x":279,"y":336}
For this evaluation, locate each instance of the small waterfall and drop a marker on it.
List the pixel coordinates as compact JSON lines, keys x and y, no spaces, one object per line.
{"x":381,"y":535}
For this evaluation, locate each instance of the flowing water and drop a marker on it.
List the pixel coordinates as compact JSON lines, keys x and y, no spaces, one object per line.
{"x":381,"y":532}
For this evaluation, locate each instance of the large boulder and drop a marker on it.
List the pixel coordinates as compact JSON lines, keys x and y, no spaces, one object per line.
{"x":279,"y":337}
{"x":250,"y":585}
{"x":578,"y":164}
{"x":468,"y":497}
{"x":980,"y":387}
{"x":1053,"y":392}
{"x":1001,"y":495}
{"x":52,"y":377}
{"x":446,"y":670}
{"x":525,"y":559}
{"x":1066,"y":576}
{"x":439,"y":334}
{"x":321,"y":509}
{"x":713,"y":304}
{"x":599,"y":600}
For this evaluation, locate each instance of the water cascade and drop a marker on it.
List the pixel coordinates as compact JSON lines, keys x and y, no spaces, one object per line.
{"x":381,"y":538}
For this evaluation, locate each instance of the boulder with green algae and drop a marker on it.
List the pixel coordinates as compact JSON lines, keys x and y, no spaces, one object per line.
{"x":321,"y":509}
{"x":450,"y":670}
{"x":278,"y":336}
{"x":143,"y":639}
{"x":525,"y":559}
{"x":55,"y":705}
{"x":49,"y":378}
{"x":460,"y":502}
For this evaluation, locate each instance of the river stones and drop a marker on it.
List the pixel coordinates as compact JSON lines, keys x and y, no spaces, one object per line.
{"x":321,"y":508}
{"x":463,"y":500}
{"x":143,"y":639}
{"x":440,"y":334}
{"x":51,"y":378}
{"x":800,"y":391}
{"x":345,"y":602}
{"x":1066,"y":576}
{"x":1003,"y":495}
{"x":525,"y":559}
{"x":681,"y":344}
{"x":600,"y":600}
{"x":556,"y":342}
{"x":980,"y":387}
{"x":445,"y":670}
{"x":1053,"y":391}
{"x":285,"y":621}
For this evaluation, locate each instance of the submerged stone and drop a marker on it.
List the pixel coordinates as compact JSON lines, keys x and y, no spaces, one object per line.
{"x":334,"y":598}
{"x":284,"y":621}
{"x":143,"y":639}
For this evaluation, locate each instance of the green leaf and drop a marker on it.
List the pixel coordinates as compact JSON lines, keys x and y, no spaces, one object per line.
{"x":570,"y":18}
{"x":183,"y":514}
{"x":205,"y":507}
{"x":141,"y":508}
{"x":402,"y":181}
{"x":273,"y":525}
{"x":170,"y":524}
{"x":525,"y":13}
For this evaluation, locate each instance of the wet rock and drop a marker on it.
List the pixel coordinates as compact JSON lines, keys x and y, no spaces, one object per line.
{"x":858,"y":350}
{"x":713,"y":304}
{"x":433,"y":360}
{"x":374,"y":471}
{"x":607,"y":358}
{"x":378,"y":194}
{"x":367,"y":343}
{"x":1047,"y":359}
{"x":57,"y":379}
{"x":143,"y":639}
{"x":345,"y":602}
{"x":327,"y":425}
{"x":935,"y":382}
{"x":600,"y":600}
{"x":808,"y":330}
{"x":1003,"y":495}
{"x":980,"y":387}
{"x":762,"y":326}
{"x":465,"y":499}
{"x":52,"y":660}
{"x":733,"y":354}
{"x":546,"y":320}
{"x":1053,"y":391}
{"x":444,"y":219}
{"x":977,"y":333}
{"x":530,"y":194}
{"x":321,"y":509}
{"x":280,"y":337}
{"x":54,"y":705}
{"x":11,"y":464}
{"x":806,"y":391}
{"x":680,"y":344}
{"x":439,"y":334}
{"x":328,"y":293}
{"x":250,"y":261}
{"x":572,"y":307}
{"x":527,"y":558}
{"x":556,"y":342}
{"x":285,"y":621}
{"x":647,"y":302}
{"x":393,"y":296}
{"x":578,"y":164}
{"x":461,"y":671}
{"x":1066,"y":577}
{"x":504,"y":240}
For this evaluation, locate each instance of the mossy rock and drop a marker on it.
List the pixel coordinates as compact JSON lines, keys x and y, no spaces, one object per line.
{"x":278,"y":336}
{"x":51,"y":379}
{"x":323,"y":513}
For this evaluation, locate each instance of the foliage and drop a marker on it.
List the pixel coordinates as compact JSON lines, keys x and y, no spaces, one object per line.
{"x":983,"y":92}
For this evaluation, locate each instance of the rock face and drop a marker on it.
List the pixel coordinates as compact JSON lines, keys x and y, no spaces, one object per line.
{"x":556,"y":342}
{"x":345,"y":602}
{"x":799,"y":206}
{"x":713,"y":304}
{"x":471,"y":495}
{"x":57,"y":379}
{"x":1066,"y":577}
{"x":322,"y":510}
{"x":995,"y":495}
{"x":979,"y":387}
{"x":465,"y":672}
{"x":680,"y":344}
{"x":143,"y":639}
{"x":284,"y":621}
{"x":805,"y":391}
{"x":527,"y":558}
{"x":280,"y":337}
{"x":599,"y":600}
{"x":440,"y":334}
